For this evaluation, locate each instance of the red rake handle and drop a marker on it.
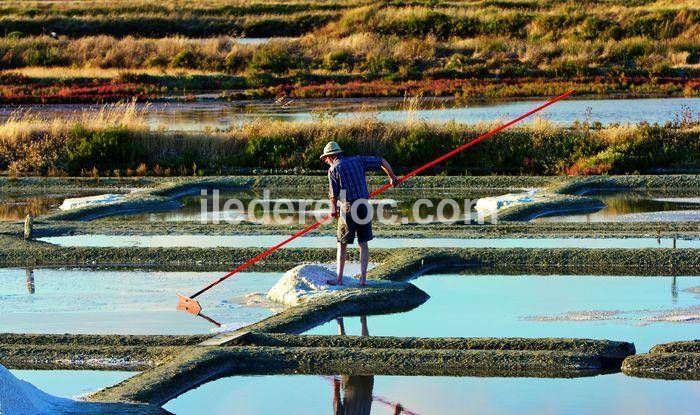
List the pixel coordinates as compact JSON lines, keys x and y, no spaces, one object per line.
{"x":384,"y":188}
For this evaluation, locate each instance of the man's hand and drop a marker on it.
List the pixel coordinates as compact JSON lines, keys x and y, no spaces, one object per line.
{"x":389,"y":172}
{"x":394,"y":181}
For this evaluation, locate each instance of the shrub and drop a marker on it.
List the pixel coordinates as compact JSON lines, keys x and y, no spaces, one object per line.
{"x":103,"y":148}
{"x":338,"y":60}
{"x":15,"y":35}
{"x":274,"y":57}
{"x":186,"y":59}
{"x":379,"y":64}
{"x":272,"y":150}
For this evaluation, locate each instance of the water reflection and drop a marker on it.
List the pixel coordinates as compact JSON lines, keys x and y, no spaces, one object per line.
{"x":236,"y":205}
{"x":622,"y":205}
{"x":30,"y":280}
{"x":357,"y":391}
{"x":674,"y":290}
{"x":357,"y":395}
{"x":222,"y":115}
{"x":17,"y":207}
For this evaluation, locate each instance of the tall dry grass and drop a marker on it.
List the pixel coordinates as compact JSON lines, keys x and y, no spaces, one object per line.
{"x":25,"y":124}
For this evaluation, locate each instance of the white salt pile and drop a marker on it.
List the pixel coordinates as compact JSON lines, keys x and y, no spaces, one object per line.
{"x":78,"y":202}
{"x":487,"y":206}
{"x":18,"y":397}
{"x":307,"y":281}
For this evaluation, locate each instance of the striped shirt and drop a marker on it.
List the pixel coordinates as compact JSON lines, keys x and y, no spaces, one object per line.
{"x":348,"y":174}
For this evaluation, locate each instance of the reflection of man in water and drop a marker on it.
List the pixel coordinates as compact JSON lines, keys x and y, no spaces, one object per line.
{"x":357,"y":399}
{"x":30,"y":280}
{"x":357,"y":390}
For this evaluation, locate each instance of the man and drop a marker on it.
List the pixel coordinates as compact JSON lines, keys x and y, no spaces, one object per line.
{"x":349,"y":202}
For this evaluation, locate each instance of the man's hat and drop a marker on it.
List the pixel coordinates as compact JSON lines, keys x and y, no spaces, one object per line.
{"x":331,"y":149}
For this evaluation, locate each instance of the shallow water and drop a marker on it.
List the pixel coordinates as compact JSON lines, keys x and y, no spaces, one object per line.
{"x":71,"y":383}
{"x":544,"y":306}
{"x":260,"y":241}
{"x":16,"y":206}
{"x":607,"y":394}
{"x":221,"y":115}
{"x":286,"y":206}
{"x":123,"y":302}
{"x":642,"y":205}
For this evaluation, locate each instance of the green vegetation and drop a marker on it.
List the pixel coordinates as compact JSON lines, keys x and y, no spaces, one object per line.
{"x":117,"y":142}
{"x":185,"y":18}
{"x":350,"y":48}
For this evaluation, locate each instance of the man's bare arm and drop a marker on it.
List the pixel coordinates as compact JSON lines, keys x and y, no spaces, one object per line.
{"x":386,"y":167}
{"x":334,"y":207}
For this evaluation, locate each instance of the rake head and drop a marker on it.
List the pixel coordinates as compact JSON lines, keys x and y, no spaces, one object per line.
{"x":188,"y":305}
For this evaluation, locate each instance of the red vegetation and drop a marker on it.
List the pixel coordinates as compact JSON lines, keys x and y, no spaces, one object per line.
{"x":73,"y":93}
{"x":501,"y":88}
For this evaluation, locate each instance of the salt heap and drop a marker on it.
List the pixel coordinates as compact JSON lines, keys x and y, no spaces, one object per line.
{"x":487,"y":206}
{"x":79,"y":202}
{"x":306,"y":281}
{"x":18,"y":397}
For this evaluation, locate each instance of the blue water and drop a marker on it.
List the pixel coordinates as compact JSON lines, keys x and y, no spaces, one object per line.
{"x":509,"y":306}
{"x":124,"y":302}
{"x":261,"y":241}
{"x":71,"y":383}
{"x":291,"y":395}
{"x":197,"y":116}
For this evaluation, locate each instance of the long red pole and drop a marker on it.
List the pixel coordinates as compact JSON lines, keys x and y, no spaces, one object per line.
{"x":382,"y":189}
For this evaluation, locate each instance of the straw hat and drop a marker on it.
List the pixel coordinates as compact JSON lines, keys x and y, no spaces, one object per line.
{"x":331,"y":149}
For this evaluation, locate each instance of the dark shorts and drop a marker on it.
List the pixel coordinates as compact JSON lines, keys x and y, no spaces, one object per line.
{"x":348,"y":226}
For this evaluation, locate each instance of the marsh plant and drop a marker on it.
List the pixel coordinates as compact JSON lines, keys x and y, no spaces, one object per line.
{"x":117,"y":137}
{"x":287,"y":211}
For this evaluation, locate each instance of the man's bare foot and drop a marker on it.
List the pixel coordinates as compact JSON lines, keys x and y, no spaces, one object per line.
{"x":335,"y":282}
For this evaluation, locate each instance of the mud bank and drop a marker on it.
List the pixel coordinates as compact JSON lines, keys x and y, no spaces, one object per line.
{"x":554,"y":204}
{"x":133,"y":203}
{"x":677,"y":360}
{"x":81,"y":352}
{"x":678,"y":347}
{"x":379,"y":298}
{"x":454,"y":230}
{"x":561,"y":184}
{"x":74,"y":357}
{"x":407,"y":264}
{"x":43,"y":185}
{"x":89,"y":352}
{"x":204,"y":364}
{"x":162,"y":193}
{"x":583,"y":185}
{"x":612,"y":350}
{"x":100,"y":340}
{"x":15,"y":252}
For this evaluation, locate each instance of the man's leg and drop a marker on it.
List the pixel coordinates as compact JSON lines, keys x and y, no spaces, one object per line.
{"x":340,"y":262}
{"x":364,"y":260}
